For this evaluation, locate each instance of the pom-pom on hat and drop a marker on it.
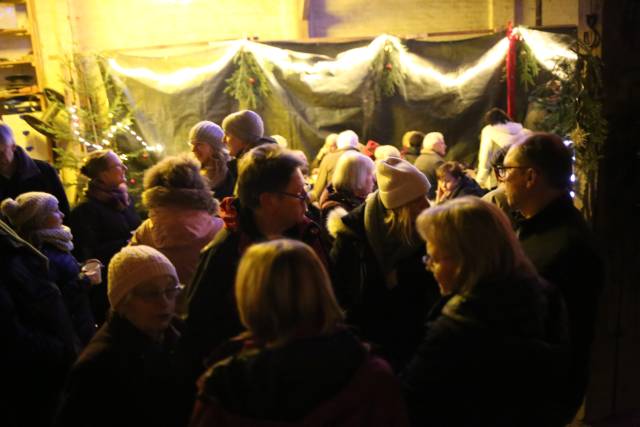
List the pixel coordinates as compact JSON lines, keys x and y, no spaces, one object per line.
{"x":207,"y":132}
{"x":28,"y":210}
{"x":245,"y":125}
{"x":399,"y":182}
{"x":132,"y":266}
{"x":346,"y":139}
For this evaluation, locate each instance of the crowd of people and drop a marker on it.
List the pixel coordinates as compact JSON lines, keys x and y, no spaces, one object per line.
{"x":375,"y":286}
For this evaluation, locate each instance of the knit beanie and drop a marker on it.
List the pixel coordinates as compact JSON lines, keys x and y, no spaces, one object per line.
{"x":431,"y":139}
{"x":245,"y":125}
{"x":346,"y":139}
{"x":383,"y":152}
{"x":28,"y":210}
{"x":207,"y":132}
{"x":399,"y":182}
{"x":132,"y":266}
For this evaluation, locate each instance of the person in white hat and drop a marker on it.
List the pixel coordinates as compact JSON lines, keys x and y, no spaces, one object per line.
{"x":129,"y":373}
{"x":206,"y":140}
{"x":377,"y":258}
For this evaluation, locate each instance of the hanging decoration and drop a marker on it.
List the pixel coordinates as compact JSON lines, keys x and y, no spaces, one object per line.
{"x":248,"y":84}
{"x":527,"y":67}
{"x":386,"y":68}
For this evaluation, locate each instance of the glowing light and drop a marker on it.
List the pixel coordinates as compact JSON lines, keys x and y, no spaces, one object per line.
{"x":72,"y":109}
{"x":572,"y":194}
{"x":568,"y":142}
{"x":123,"y":157}
{"x":546,"y":49}
{"x":572,"y":178}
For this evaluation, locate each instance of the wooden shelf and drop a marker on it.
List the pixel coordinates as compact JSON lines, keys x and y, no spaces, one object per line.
{"x":14,"y":32}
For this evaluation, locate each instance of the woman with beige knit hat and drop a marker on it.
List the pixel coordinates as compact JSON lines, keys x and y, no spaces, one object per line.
{"x":129,"y":373}
{"x":377,"y":259}
{"x":36,"y":217}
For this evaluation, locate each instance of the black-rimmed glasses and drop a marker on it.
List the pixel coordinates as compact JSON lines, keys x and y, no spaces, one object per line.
{"x":154,"y":295}
{"x":501,"y":171}
{"x":302,"y":196}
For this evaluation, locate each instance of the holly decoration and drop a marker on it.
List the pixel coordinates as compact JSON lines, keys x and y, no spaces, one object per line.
{"x":248,"y":83}
{"x":387,"y":73}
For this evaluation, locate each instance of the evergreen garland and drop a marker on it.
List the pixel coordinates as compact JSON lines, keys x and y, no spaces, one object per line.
{"x":528,"y":68}
{"x":247,"y":85}
{"x":387,"y":72}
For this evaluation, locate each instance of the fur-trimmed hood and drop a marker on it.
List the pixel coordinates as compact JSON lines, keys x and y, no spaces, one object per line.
{"x":198,"y":199}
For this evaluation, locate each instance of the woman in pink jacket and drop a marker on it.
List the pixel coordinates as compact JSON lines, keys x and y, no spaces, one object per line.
{"x":182,"y":213}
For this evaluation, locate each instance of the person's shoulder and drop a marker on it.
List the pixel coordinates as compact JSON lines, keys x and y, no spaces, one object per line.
{"x":224,"y":239}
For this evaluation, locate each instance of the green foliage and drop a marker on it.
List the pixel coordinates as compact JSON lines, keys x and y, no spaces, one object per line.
{"x":387,"y":72}
{"x":528,"y":68}
{"x":248,"y":84}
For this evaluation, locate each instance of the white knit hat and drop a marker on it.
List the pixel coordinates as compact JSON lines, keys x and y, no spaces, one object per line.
{"x":383,"y":152}
{"x":246,"y":125}
{"x":399,"y":182}
{"x":29,"y":209}
{"x":132,"y":266}
{"x":207,"y":132}
{"x":431,"y":139}
{"x":346,"y":139}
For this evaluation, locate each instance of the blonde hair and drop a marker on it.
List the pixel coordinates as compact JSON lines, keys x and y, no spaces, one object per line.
{"x":479,"y":236}
{"x":352,"y":170}
{"x":400,"y":222}
{"x":283,"y":291}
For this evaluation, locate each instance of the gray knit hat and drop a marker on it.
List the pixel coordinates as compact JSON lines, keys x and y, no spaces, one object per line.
{"x":132,"y":266}
{"x":28,"y":210}
{"x":207,"y":132}
{"x":245,"y":125}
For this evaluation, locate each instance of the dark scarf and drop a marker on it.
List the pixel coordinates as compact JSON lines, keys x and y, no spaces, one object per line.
{"x":115,"y":197}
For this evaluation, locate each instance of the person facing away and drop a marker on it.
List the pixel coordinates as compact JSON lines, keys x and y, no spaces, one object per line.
{"x":558,"y":241}
{"x":377,"y":262}
{"x":296,"y":363}
{"x":39,"y":343}
{"x":104,"y":219}
{"x":411,"y":145}
{"x":243,"y":130}
{"x":19,"y":173}
{"x":496,"y":344}
{"x":130,"y":373}
{"x":347,"y":141}
{"x":206,"y":140}
{"x":431,"y":156}
{"x":499,"y":130}
{"x":271,"y":203}
{"x":36,"y":217}
{"x":182,"y":217}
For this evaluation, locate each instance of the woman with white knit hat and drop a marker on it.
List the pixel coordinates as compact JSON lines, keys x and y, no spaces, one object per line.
{"x":207,"y":145}
{"x":377,"y":258}
{"x":129,"y":373}
{"x":36,"y":217}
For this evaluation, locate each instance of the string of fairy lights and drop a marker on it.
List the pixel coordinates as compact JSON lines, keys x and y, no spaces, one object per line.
{"x":114,"y":129}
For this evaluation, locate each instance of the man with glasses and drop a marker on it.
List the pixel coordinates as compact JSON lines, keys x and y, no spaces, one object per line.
{"x":271,"y":203}
{"x":555,"y":236}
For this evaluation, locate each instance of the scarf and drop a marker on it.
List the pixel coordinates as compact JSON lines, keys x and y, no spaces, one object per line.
{"x":117,"y":197}
{"x":61,"y":237}
{"x":388,"y":248}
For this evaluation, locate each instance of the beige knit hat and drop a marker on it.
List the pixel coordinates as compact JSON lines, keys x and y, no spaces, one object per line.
{"x":245,"y":125}
{"x":28,"y":210}
{"x":399,"y":182}
{"x":207,"y":132}
{"x":383,"y":152}
{"x":132,"y":266}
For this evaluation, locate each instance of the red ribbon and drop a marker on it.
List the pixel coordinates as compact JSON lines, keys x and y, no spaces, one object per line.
{"x":511,"y":69}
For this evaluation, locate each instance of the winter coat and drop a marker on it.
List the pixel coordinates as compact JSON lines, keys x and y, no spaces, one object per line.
{"x":492,"y":138}
{"x":64,"y":271}
{"x":331,"y":199}
{"x":561,"y":246}
{"x":466,"y":187}
{"x":496,"y":356}
{"x":179,"y":226}
{"x":212,"y":316}
{"x":124,"y":378}
{"x":391,"y":317}
{"x":427,"y":163}
{"x":37,"y":335}
{"x":318,"y":381}
{"x":410,"y":154}
{"x":33,"y":175}
{"x":325,"y":172}
{"x":100,"y":231}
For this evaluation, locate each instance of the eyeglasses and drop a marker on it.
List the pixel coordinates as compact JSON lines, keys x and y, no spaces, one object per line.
{"x":304,"y":196}
{"x":501,"y":171}
{"x":154,"y":295}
